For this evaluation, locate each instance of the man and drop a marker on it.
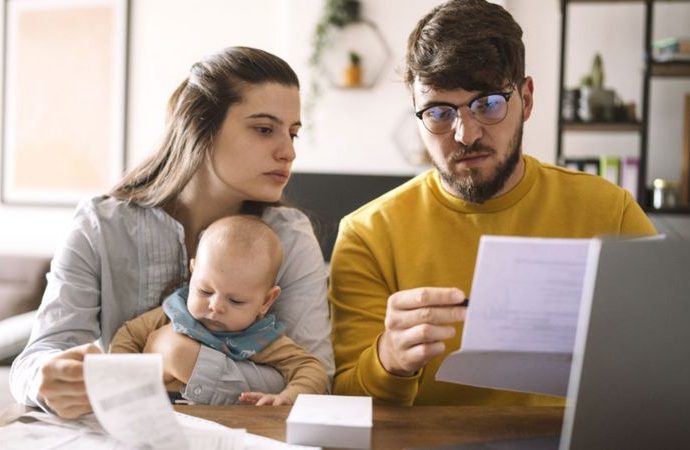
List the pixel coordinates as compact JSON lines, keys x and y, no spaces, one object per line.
{"x":403,"y":263}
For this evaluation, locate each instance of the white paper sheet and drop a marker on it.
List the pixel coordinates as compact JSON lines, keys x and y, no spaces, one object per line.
{"x":38,"y":430}
{"x":131,"y":411}
{"x":520,"y":327}
{"x":20,"y":435}
{"x":251,"y":441}
{"x":129,"y":399}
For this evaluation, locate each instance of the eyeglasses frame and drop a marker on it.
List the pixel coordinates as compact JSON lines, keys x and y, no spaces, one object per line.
{"x":505,"y":94}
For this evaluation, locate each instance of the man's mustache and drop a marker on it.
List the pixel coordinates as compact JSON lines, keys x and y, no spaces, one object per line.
{"x":464,"y":151}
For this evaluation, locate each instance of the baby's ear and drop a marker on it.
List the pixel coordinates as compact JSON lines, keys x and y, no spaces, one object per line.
{"x":271,"y":297}
{"x":191,"y":264}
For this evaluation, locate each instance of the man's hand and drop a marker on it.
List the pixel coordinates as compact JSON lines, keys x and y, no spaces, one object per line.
{"x":417,"y":322}
{"x":179,"y":353}
{"x":62,"y":385}
{"x":261,"y":399}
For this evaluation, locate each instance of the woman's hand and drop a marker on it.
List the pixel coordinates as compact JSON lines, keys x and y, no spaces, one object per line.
{"x":62,"y":386}
{"x":261,"y":399}
{"x":179,"y":353}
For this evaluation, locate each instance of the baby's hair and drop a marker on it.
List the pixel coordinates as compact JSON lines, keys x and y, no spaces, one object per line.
{"x":246,"y":234}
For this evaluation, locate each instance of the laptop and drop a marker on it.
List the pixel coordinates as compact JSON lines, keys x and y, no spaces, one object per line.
{"x":630,"y":378}
{"x":629,"y":385}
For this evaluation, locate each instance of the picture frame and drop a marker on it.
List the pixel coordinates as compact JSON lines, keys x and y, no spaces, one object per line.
{"x":64,"y":99}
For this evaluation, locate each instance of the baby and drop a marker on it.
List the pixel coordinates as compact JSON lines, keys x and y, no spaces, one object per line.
{"x":225,"y":306}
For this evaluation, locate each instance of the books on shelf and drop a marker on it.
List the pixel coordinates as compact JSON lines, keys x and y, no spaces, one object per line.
{"x":588,"y":165}
{"x":671,"y":49}
{"x":609,"y":168}
{"x":621,"y":171}
{"x":630,"y":169}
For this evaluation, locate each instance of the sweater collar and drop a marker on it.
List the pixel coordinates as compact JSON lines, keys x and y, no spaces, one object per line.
{"x":499,"y":203}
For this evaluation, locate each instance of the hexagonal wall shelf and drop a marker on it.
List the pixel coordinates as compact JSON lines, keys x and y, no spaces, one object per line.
{"x":363,"y":42}
{"x":407,"y":140}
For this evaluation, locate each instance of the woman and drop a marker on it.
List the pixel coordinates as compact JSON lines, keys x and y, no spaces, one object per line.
{"x":227,"y":148}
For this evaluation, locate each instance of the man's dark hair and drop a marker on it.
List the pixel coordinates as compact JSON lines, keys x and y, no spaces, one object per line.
{"x":468,"y":44}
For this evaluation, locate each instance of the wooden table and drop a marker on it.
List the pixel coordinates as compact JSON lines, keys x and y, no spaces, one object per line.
{"x":397,"y":427}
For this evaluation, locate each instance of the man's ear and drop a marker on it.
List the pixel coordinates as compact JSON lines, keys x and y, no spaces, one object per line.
{"x":527,"y":93}
{"x":271,"y":297}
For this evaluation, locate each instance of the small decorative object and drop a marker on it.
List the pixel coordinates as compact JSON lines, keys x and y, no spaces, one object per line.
{"x":584,"y":112}
{"x":596,"y":103}
{"x":623,"y":112}
{"x":665,"y":194}
{"x":352,"y":76}
{"x":630,"y":111}
{"x":597,"y":74}
{"x":569,"y":109}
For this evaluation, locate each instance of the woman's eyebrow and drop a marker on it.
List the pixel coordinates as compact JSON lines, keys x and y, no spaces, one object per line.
{"x":272,"y":118}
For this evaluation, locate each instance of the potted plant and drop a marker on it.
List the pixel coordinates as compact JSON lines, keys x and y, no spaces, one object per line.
{"x":336,"y":14}
{"x":352,"y":76}
{"x":597,"y":103}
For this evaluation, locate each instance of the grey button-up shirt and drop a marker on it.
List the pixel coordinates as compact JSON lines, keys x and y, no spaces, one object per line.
{"x":116,"y":262}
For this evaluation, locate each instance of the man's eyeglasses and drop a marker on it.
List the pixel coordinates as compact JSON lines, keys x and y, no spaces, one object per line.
{"x":488,"y":109}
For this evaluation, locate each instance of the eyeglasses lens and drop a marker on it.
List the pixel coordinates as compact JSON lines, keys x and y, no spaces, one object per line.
{"x":489,"y":109}
{"x":486,"y":110}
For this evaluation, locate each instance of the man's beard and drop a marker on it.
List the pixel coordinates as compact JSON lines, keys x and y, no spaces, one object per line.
{"x":471,"y":186}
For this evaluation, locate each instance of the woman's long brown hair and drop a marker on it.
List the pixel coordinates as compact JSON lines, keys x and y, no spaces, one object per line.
{"x":196,"y":111}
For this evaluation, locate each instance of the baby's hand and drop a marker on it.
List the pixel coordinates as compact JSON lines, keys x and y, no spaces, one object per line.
{"x":260,"y":399}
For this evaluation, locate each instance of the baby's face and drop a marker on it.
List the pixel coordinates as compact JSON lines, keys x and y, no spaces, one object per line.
{"x":226,"y":293}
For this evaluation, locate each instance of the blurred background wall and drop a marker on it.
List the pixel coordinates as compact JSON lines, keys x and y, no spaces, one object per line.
{"x":354,"y":131}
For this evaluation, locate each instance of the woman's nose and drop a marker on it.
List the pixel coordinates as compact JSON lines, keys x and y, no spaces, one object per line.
{"x":286,"y":151}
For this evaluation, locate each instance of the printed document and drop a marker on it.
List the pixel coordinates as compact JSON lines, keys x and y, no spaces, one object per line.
{"x":131,"y":411}
{"x":129,"y":399}
{"x":521,"y":321}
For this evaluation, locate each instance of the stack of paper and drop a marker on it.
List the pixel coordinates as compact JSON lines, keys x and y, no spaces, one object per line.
{"x":330,"y":421}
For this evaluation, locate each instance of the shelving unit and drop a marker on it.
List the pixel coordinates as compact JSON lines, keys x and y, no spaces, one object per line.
{"x":602,"y":126}
{"x":652,"y":69}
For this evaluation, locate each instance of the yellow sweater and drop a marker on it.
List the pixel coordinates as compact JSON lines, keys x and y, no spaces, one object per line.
{"x":419,"y":235}
{"x":303,"y":372}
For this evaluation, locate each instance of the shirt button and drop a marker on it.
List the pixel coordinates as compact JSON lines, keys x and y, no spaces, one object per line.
{"x":197,"y":390}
